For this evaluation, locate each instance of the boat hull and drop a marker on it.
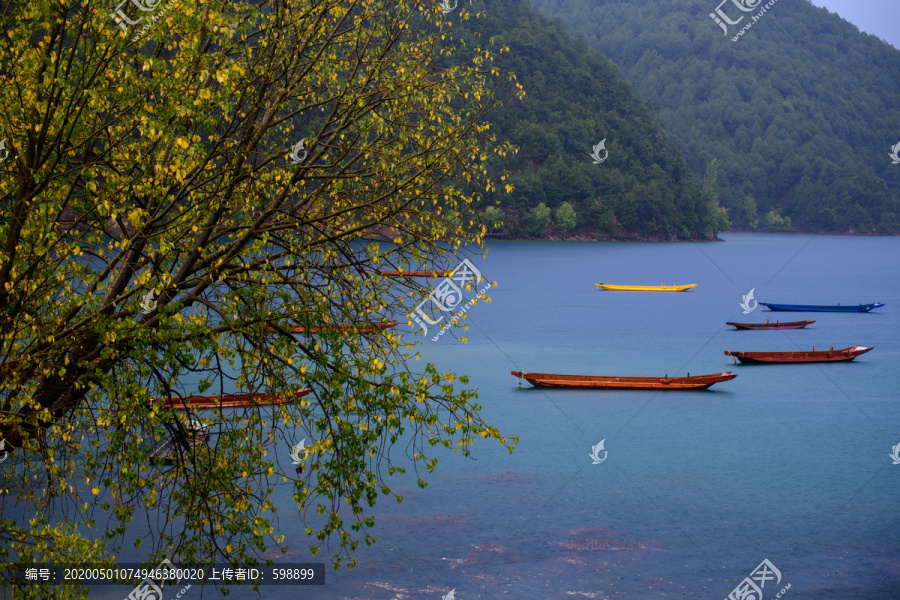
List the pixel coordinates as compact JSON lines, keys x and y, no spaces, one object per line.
{"x":391,"y":273}
{"x":645,"y":288}
{"x":832,"y":355}
{"x":227,"y":400}
{"x":767,"y":325}
{"x":554,"y":380}
{"x":853,"y":308}
{"x":368,"y":328}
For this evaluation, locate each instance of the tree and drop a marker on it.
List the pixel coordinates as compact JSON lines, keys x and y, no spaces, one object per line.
{"x":566,"y":217}
{"x":710,"y":190}
{"x":163,"y":228}
{"x":773,"y":221}
{"x":716,"y":216}
{"x":748,"y":212}
{"x":603,"y":220}
{"x":612,"y":224}
{"x":539,"y":217}
{"x":493,"y":218}
{"x":719,"y":221}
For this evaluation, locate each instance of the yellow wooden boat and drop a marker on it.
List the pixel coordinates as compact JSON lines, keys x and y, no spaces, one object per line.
{"x":645,"y":288}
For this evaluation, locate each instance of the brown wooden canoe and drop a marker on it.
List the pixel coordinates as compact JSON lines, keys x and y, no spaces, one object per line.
{"x":830,"y":355}
{"x":768,"y":325}
{"x":690,"y":382}
{"x":414,"y":273}
{"x":228,"y":400}
{"x":356,"y":328}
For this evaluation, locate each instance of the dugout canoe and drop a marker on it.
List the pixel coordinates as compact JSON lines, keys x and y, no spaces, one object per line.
{"x":228,"y":400}
{"x":830,"y":355}
{"x":690,"y":382}
{"x":356,"y":328}
{"x":768,"y":325}
{"x":414,"y":273}
{"x":851,"y":308}
{"x":645,"y":288}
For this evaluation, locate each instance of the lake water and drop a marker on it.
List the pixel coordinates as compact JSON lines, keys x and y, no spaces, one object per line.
{"x":788,"y":463}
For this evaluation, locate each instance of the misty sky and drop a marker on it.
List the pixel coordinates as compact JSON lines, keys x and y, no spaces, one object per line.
{"x":878,"y":17}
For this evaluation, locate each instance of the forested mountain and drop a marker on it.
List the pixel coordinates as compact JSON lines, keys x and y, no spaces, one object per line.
{"x":800,"y":109}
{"x":574,"y":99}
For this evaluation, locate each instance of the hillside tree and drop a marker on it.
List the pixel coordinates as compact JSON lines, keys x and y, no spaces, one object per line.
{"x":181,"y":190}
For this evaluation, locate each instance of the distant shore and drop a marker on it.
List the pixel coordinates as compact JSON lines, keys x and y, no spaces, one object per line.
{"x":588,"y":237}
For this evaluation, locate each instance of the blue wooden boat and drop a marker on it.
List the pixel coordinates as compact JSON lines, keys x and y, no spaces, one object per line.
{"x":824,"y":308}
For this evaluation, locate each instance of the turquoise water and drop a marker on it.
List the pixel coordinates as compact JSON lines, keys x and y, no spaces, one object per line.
{"x":785,"y":462}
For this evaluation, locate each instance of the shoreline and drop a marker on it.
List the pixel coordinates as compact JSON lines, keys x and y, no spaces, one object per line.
{"x":640,"y":238}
